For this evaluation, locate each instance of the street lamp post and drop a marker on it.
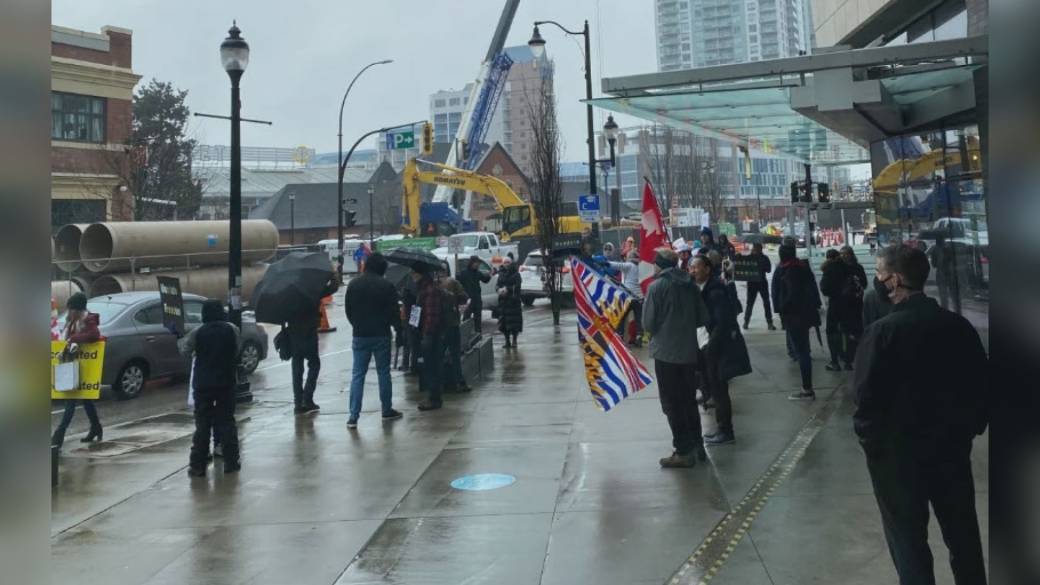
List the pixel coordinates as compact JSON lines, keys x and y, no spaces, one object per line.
{"x":371,"y":218}
{"x":292,"y":219}
{"x":537,"y":44}
{"x":234,"y":55}
{"x":342,"y":166}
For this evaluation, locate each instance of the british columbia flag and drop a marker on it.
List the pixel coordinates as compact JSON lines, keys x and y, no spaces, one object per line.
{"x":613,"y":373}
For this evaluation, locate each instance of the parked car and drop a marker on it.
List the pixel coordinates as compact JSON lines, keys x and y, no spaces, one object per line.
{"x":138,"y":348}
{"x":532,"y":279}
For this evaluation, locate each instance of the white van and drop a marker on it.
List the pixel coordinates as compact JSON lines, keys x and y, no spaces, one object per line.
{"x":488,"y":293}
{"x":349,"y":247}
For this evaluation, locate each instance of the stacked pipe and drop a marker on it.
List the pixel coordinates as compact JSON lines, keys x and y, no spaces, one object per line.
{"x":113,"y":257}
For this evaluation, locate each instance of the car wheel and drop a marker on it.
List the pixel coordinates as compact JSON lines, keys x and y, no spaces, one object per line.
{"x":249,"y":359}
{"x":130,"y":380}
{"x":527,"y":300}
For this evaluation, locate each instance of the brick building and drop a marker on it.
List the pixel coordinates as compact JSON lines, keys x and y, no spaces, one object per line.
{"x":92,"y":86}
{"x":497,"y":163}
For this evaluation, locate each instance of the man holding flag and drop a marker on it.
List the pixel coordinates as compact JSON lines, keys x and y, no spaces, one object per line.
{"x":672,"y":312}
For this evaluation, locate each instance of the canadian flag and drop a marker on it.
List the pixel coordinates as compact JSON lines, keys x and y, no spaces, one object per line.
{"x":652,"y":236}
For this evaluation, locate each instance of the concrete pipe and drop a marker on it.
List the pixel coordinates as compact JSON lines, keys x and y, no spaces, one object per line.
{"x":65,"y":249}
{"x":108,"y":247}
{"x":208,"y":282}
{"x":61,"y":290}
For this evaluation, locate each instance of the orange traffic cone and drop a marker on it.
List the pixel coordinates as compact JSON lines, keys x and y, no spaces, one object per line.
{"x":325,"y":326}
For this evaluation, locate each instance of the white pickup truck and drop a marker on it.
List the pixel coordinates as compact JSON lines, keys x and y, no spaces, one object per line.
{"x":483,"y":244}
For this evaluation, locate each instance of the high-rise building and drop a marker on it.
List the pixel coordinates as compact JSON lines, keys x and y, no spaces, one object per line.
{"x":701,"y":33}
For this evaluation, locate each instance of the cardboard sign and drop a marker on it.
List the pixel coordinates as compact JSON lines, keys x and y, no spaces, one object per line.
{"x":91,"y":359}
{"x":172,"y":303}
{"x":746,"y":268}
{"x":415,"y":316}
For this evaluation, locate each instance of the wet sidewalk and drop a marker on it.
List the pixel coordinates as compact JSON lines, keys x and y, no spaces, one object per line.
{"x":789,"y":502}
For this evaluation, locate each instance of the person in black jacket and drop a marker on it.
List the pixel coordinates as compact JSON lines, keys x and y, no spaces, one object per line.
{"x":759,"y":287}
{"x":303,"y":336}
{"x":725,"y":355}
{"x":797,"y":300}
{"x":921,"y":381}
{"x":511,"y":315}
{"x":373,"y":312}
{"x":835,"y":276}
{"x":470,"y":279}
{"x":215,"y":344}
{"x":854,"y":291}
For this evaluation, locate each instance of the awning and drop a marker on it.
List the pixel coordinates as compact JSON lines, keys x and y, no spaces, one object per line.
{"x":823,"y":109}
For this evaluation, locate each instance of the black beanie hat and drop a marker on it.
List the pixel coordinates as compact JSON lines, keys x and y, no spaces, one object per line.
{"x":77,"y":302}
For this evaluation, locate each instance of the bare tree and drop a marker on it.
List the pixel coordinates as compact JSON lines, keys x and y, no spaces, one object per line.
{"x":546,"y":185}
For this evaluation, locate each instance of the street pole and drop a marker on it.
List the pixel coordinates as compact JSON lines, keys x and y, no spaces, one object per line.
{"x":292,"y":219}
{"x":235,"y":244}
{"x":343,"y":167}
{"x":371,"y":219}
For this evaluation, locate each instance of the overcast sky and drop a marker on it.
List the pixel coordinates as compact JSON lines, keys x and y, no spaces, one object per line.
{"x":305,"y":52}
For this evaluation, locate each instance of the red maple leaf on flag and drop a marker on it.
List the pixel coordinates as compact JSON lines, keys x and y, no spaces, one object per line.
{"x":652,"y":235}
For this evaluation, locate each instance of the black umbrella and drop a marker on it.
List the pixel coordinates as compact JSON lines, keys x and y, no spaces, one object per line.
{"x":415,"y":258}
{"x":291,"y":287}
{"x":398,"y":275}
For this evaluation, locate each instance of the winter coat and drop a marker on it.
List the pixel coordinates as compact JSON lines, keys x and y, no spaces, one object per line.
{"x":510,"y":308}
{"x":371,"y":305}
{"x":725,"y":342}
{"x":629,"y":276}
{"x":215,"y":344}
{"x":455,"y":295}
{"x":470,"y":280}
{"x":672,"y":312}
{"x":922,"y":381}
{"x":874,"y":307}
{"x":85,"y":330}
{"x":795,"y":296}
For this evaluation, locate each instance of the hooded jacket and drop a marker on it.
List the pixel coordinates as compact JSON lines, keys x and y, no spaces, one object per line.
{"x":215,"y":344}
{"x":672,"y":312}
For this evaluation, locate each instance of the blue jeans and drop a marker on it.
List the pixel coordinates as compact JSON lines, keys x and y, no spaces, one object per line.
{"x":364,"y":349}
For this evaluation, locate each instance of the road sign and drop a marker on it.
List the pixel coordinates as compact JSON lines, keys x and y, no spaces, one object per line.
{"x":400,"y":140}
{"x":455,"y":246}
{"x":588,"y":208}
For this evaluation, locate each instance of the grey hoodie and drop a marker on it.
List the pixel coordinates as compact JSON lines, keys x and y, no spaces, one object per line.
{"x":672,"y":312}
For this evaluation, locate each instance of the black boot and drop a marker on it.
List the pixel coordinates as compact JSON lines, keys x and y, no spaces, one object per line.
{"x":93,"y":435}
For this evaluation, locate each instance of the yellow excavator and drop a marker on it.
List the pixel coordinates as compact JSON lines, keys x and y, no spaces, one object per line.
{"x":518,"y":216}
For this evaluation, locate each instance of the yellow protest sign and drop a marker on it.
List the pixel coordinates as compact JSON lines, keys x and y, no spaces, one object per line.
{"x":91,"y":359}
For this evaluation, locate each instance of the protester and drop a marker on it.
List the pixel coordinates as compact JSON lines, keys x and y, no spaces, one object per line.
{"x":725,"y":248}
{"x":455,"y":297}
{"x":921,"y":382}
{"x":510,"y":307}
{"x":470,"y":279}
{"x":672,"y":311}
{"x":759,"y":287}
{"x":797,"y":300}
{"x":215,"y":345}
{"x":628,"y":247}
{"x":373,"y":312}
{"x":630,"y":280}
{"x":303,"y":339}
{"x":725,"y":355}
{"x":81,"y":326}
{"x":707,"y":241}
{"x":835,"y":274}
{"x":685,"y":253}
{"x":610,"y":252}
{"x":429,"y":301}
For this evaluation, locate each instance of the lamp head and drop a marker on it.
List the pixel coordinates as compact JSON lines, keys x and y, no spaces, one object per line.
{"x":234,"y":52}
{"x":537,"y":44}
{"x":610,"y":129}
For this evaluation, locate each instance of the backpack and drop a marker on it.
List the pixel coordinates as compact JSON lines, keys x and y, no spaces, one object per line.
{"x":794,"y":291}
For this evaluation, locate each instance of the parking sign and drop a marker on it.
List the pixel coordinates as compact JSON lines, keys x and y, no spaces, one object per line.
{"x":588,"y":208}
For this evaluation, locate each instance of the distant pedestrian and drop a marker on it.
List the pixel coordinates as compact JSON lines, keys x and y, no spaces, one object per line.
{"x":672,"y":313}
{"x":759,"y":286}
{"x":216,"y":345}
{"x":685,"y":252}
{"x":628,"y":247}
{"x":373,"y":313}
{"x":797,"y":300}
{"x":835,"y":274}
{"x":921,"y":382}
{"x":707,"y":241}
{"x":303,"y":339}
{"x":725,"y":248}
{"x":470,"y":279}
{"x":630,"y":280}
{"x":455,"y":297}
{"x":853,"y":290}
{"x":725,"y":355}
{"x":510,"y":306}
{"x":430,"y":303}
{"x":360,"y":256}
{"x":81,"y":326}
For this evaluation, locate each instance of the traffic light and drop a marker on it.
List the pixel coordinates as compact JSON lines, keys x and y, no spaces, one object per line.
{"x":824,"y":193}
{"x":351,"y":218}
{"x":427,"y":138}
{"x":794,"y":192}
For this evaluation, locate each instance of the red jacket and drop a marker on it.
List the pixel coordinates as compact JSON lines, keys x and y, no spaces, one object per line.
{"x":87,"y":332}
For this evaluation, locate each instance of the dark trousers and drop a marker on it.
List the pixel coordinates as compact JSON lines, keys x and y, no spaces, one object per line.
{"x":430,"y":373}
{"x":754,"y":290}
{"x":476,"y":311}
{"x":904,"y":486}
{"x":718,"y":390}
{"x":412,"y":349}
{"x":303,"y":391}
{"x":453,"y":341}
{"x":798,"y":342}
{"x":676,"y":385}
{"x":214,"y":414}
{"x":949,"y":291}
{"x":58,"y":438}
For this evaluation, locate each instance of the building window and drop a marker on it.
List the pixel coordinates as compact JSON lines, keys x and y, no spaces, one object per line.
{"x":77,"y":117}
{"x":438,"y":103}
{"x":454,"y":101}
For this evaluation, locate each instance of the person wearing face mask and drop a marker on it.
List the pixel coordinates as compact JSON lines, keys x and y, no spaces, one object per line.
{"x":876,"y":303}
{"x":921,"y":387}
{"x":725,"y":355}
